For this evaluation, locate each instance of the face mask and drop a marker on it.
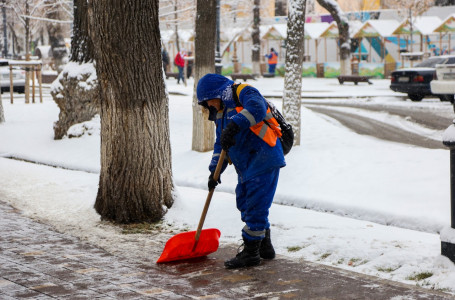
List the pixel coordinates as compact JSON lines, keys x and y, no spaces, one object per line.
{"x":212,"y":113}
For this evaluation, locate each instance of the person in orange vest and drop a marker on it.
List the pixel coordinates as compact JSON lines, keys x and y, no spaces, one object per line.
{"x":249,"y":133}
{"x":272,"y":60}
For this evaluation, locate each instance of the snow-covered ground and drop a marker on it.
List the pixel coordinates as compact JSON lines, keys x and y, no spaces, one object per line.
{"x":343,"y":199}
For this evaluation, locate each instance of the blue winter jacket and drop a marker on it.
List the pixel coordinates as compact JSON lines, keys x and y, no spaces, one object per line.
{"x":250,"y":154}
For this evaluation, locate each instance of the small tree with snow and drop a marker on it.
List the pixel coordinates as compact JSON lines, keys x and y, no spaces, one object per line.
{"x":294,"y":60}
{"x":343,"y":33}
{"x":255,"y":36}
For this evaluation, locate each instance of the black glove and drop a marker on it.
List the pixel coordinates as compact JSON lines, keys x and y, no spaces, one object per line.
{"x":227,"y":136}
{"x":212,"y":182}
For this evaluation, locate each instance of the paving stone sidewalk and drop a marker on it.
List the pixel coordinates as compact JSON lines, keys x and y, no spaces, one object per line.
{"x":37,"y":262}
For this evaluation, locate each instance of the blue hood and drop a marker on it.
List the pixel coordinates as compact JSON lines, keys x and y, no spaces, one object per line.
{"x":213,"y":86}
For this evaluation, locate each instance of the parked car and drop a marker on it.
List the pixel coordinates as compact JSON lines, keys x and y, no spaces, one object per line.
{"x":416,"y":81}
{"x":444,"y":83}
{"x":18,"y":78}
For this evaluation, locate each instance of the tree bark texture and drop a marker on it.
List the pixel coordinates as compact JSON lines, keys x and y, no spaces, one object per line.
{"x":27,"y":31}
{"x":81,"y":44}
{"x":15,"y":41}
{"x":2,"y":115}
{"x":27,"y":52}
{"x":177,"y":39}
{"x":255,"y":36}
{"x":343,"y":33}
{"x":294,"y":63}
{"x":203,"y":130}
{"x":136,"y":176}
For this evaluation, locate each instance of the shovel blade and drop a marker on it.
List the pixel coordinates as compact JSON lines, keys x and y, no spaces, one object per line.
{"x":180,"y":246}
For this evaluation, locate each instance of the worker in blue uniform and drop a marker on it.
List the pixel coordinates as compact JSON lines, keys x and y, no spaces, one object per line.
{"x":247,"y":131}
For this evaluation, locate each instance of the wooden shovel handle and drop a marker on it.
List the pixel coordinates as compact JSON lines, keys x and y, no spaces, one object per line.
{"x":216,"y":175}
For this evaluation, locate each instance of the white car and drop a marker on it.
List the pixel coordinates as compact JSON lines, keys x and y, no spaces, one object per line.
{"x":18,"y":78}
{"x":444,"y":83}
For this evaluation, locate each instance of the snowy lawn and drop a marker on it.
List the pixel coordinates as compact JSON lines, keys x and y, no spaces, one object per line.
{"x":338,"y":191}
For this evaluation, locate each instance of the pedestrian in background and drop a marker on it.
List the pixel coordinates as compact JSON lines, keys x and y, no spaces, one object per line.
{"x":179,"y":61}
{"x":272,"y":60}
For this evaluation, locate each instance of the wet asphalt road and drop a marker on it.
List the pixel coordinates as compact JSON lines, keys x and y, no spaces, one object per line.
{"x":436,"y":119}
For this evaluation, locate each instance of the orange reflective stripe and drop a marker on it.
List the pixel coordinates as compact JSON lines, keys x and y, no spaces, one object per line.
{"x":268,"y":133}
{"x":273,"y":124}
{"x":265,"y":133}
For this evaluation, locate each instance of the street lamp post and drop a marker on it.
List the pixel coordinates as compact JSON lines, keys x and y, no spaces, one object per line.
{"x":448,"y":233}
{"x":218,"y":64}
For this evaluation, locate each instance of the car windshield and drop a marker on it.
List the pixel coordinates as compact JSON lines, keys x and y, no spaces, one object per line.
{"x":432,"y":62}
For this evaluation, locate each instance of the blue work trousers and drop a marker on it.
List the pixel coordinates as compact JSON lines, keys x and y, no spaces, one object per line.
{"x":272,"y":68}
{"x":254,"y":198}
{"x":180,"y":75}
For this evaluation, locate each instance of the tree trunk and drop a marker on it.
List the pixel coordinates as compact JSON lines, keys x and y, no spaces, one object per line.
{"x":2,"y":115}
{"x":27,"y":31}
{"x":343,"y":32}
{"x":203,"y":130}
{"x":294,"y":61}
{"x":27,"y":53}
{"x":14,"y":43}
{"x":5,"y":34}
{"x":81,"y":44}
{"x":136,"y":176}
{"x":177,"y":39}
{"x":255,"y":36}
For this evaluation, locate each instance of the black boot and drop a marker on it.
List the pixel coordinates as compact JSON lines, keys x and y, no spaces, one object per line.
{"x":248,"y":257}
{"x":266,"y":250}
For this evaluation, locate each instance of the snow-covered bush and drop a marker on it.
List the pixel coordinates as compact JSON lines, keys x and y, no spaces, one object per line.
{"x":85,"y":128}
{"x":76,"y":93}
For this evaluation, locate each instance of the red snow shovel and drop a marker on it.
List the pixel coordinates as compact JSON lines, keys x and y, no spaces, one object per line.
{"x":197,"y":243}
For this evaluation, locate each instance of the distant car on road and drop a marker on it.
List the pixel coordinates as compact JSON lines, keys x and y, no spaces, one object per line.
{"x":444,"y":83}
{"x":416,"y":81}
{"x":18,"y":78}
